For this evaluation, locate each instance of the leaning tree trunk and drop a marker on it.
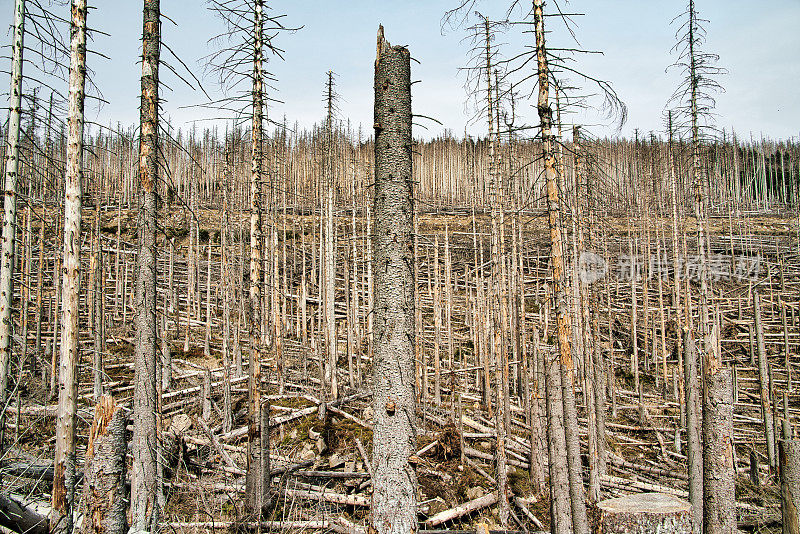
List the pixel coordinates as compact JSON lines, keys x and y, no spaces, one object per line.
{"x":144,"y":505}
{"x":10,"y":207}
{"x":394,"y":507}
{"x":63,"y":496}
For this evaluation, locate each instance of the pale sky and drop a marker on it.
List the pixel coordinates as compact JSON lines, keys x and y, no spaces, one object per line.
{"x":757,"y":44}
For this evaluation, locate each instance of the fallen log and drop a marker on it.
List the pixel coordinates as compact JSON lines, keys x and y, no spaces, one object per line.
{"x":222,"y":452}
{"x":30,"y":471}
{"x":20,"y":516}
{"x":462,"y":509}
{"x":329,"y":474}
{"x":270,"y":525}
{"x":336,"y":498}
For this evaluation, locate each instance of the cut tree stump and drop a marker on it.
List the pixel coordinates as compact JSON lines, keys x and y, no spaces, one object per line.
{"x":643,"y":513}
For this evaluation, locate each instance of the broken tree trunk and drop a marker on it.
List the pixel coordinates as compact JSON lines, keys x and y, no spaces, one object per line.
{"x":104,"y":490}
{"x":462,"y":510}
{"x":394,"y":482}
{"x":763,"y":376}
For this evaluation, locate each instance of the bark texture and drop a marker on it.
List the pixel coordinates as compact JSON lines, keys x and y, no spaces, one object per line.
{"x":395,"y":482}
{"x":558,"y":278}
{"x":104,"y":490}
{"x":256,"y":491}
{"x":693,"y":426}
{"x":144,"y":505}
{"x":63,"y":496}
{"x":719,"y":503}
{"x":789,"y":455}
{"x":10,"y":205}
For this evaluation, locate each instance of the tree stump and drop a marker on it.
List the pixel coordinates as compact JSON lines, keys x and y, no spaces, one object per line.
{"x":643,"y":513}
{"x":105,"y":494}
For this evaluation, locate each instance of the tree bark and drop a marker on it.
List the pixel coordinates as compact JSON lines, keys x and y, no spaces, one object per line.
{"x":789,"y":453}
{"x":63,"y":496}
{"x":10,"y":207}
{"x":693,"y":423}
{"x":719,"y":475}
{"x":256,"y":493}
{"x":104,"y":489}
{"x":144,"y":491}
{"x":395,"y":482}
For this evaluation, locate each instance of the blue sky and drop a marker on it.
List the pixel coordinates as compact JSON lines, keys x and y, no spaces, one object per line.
{"x":757,"y":44}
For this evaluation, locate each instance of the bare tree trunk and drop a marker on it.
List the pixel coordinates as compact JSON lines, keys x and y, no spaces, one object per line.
{"x":790,"y":485}
{"x":394,"y":508}
{"x":10,"y":208}
{"x":560,"y":299}
{"x":144,"y":491}
{"x":763,"y":375}
{"x":719,"y":475}
{"x":63,"y":497}
{"x":560,"y":515}
{"x":644,"y":512}
{"x":693,"y":423}
{"x":256,"y":492}
{"x":104,"y":490}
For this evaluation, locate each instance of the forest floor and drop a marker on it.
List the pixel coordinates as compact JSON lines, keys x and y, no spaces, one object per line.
{"x":319,"y":450}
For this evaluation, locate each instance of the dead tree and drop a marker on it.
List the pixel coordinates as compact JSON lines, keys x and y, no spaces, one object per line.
{"x":693,"y":431}
{"x":10,"y":207}
{"x":63,"y":496}
{"x":719,"y":473}
{"x":256,"y":490}
{"x":144,"y":484}
{"x":104,"y":490}
{"x":394,"y":509}
{"x":560,"y":303}
{"x":789,"y":450}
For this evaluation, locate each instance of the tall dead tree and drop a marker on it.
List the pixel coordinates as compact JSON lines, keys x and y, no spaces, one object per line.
{"x":63,"y":496}
{"x":328,"y":244}
{"x":12,"y":150}
{"x":256,"y":477}
{"x":144,"y":484}
{"x":394,"y":507}
{"x":560,"y":304}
